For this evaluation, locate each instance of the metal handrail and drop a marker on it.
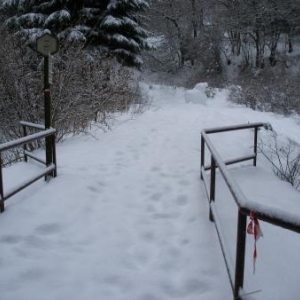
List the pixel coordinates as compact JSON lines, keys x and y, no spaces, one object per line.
{"x":27,"y":139}
{"x":245,"y":206}
{"x":51,"y":168}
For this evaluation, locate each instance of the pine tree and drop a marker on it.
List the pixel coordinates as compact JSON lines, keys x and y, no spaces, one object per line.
{"x":33,"y":17}
{"x":119,"y":30}
{"x":107,"y":25}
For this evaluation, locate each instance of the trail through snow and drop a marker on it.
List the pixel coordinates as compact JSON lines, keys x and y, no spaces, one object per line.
{"x":126,"y":218}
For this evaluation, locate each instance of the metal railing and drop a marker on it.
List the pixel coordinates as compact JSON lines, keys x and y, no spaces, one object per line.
{"x":50,"y":169}
{"x":27,"y":153}
{"x":245,"y":206}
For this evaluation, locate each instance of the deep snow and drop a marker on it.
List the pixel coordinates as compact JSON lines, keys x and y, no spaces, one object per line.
{"x":127,"y":219}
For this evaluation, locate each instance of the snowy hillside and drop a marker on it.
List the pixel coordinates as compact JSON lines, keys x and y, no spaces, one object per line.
{"x":127,"y":218}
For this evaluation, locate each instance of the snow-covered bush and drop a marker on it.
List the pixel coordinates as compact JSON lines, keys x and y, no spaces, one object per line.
{"x":272,"y":90}
{"x":197,"y":94}
{"x":236,"y":94}
{"x":284,"y":155}
{"x":86,"y":89}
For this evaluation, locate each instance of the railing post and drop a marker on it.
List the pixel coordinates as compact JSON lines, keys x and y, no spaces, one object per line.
{"x":54,"y":154}
{"x":47,"y":111}
{"x":24,"y":147}
{"x":202,"y":156}
{"x":255,"y":146}
{"x":1,"y":188}
{"x":240,"y":254}
{"x":212,"y":186}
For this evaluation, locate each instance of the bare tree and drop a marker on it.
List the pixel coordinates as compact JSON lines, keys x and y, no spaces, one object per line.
{"x":284,"y":157}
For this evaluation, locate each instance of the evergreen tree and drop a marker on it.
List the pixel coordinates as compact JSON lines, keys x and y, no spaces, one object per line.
{"x":108,"y":25}
{"x":32,"y":17}
{"x":120,"y":31}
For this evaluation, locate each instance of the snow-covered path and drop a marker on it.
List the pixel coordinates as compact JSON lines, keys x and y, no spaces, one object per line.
{"x":126,"y":219}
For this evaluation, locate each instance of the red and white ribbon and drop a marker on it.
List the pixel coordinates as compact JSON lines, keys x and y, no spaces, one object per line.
{"x":254,"y":228}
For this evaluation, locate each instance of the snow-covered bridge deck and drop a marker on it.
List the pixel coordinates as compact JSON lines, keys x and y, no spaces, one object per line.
{"x":127,"y":219}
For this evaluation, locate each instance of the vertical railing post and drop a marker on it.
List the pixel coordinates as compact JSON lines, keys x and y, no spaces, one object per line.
{"x":212,"y":186}
{"x":240,"y":254}
{"x":1,"y":188}
{"x":54,"y":155}
{"x":202,"y":156}
{"x":24,"y":146}
{"x":255,"y":146}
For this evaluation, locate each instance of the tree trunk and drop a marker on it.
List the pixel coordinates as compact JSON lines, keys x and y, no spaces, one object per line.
{"x":259,"y":45}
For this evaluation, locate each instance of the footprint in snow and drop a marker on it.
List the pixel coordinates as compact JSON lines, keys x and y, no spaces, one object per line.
{"x":184,"y":242}
{"x":48,"y":229}
{"x":183,"y":182}
{"x":148,"y":236}
{"x":156,"y":196}
{"x":182,"y":200}
{"x":151,"y":209}
{"x":149,"y":297}
{"x":102,"y":168}
{"x":150,"y":186}
{"x":36,"y":242}
{"x":93,"y":189}
{"x":10,"y":239}
{"x":164,"y":175}
{"x":32,"y":274}
{"x":155,"y":169}
{"x":118,"y":282}
{"x":166,"y":216}
{"x":191,"y":286}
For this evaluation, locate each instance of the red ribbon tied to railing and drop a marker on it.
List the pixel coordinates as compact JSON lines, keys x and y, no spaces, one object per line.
{"x":254,"y":228}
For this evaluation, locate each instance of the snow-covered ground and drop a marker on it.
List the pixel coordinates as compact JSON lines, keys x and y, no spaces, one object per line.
{"x":127,"y":218}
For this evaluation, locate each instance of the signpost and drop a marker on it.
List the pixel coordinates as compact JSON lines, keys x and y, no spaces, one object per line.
{"x":47,"y":45}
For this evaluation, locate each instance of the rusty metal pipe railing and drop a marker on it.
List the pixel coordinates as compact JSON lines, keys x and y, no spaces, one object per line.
{"x":51,"y":169}
{"x":245,"y":206}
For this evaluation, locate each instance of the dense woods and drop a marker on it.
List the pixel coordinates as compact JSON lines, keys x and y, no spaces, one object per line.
{"x":250,"y":47}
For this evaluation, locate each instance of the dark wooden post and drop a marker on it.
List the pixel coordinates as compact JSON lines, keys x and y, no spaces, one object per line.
{"x":240,"y":255}
{"x":212,"y":186}
{"x":255,"y":146}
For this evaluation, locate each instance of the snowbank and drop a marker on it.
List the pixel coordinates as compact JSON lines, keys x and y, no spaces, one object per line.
{"x":197,"y":95}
